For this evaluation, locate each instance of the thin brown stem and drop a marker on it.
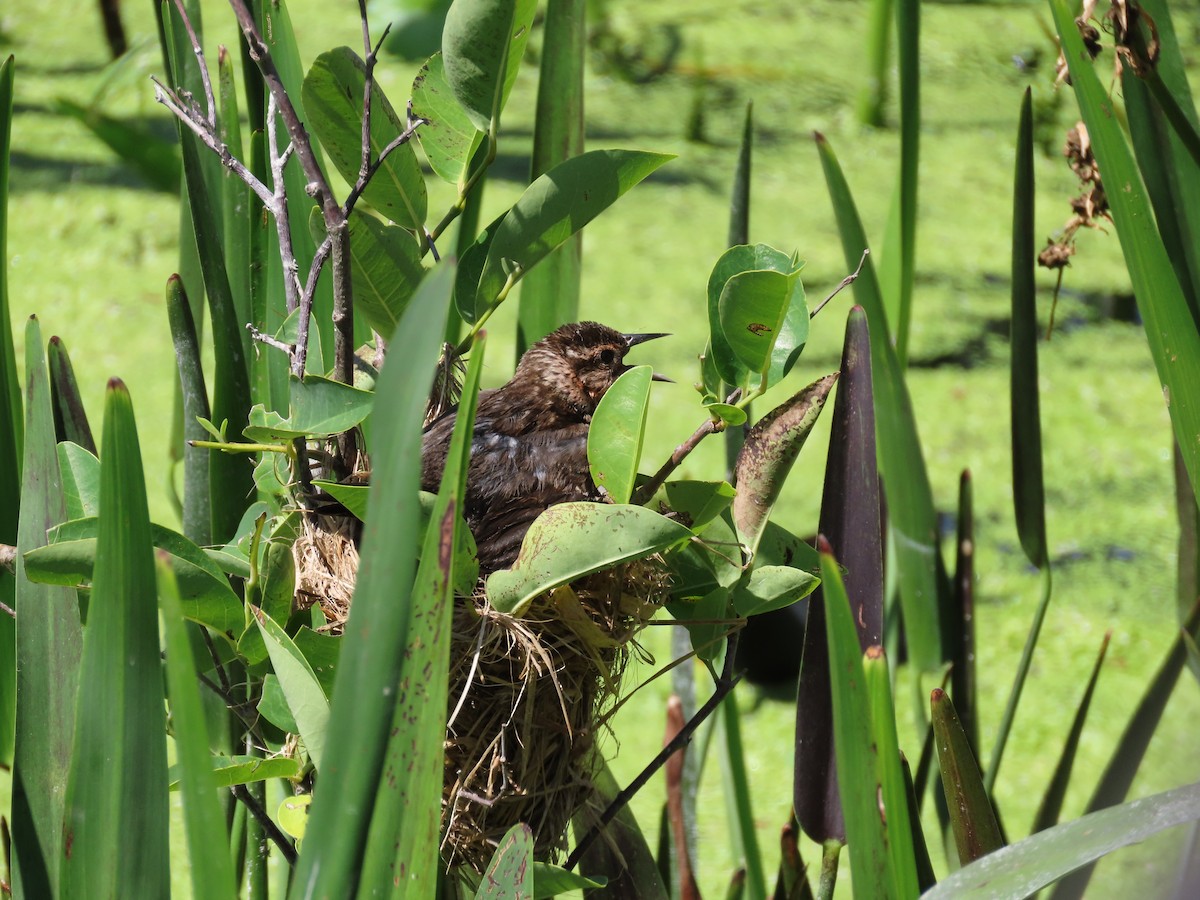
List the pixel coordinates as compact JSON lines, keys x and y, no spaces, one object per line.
{"x":845,"y":282}
{"x":710,"y":426}
{"x":209,"y":97}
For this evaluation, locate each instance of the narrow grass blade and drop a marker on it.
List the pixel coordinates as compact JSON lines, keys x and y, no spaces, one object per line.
{"x":1118,"y":775}
{"x":70,"y":418}
{"x":11,"y":423}
{"x":910,"y":498}
{"x":739,"y":201}
{"x":47,"y":653}
{"x":1171,"y":329}
{"x":364,"y":694}
{"x":850,"y":521}
{"x":739,"y":811}
{"x":239,"y":203}
{"x":1056,"y":791}
{"x":118,"y":777}
{"x":197,"y":501}
{"x":873,"y":98}
{"x":857,"y":754}
{"x":925,"y":876}
{"x":1029,"y":497}
{"x":403,"y":840}
{"x":908,"y":42}
{"x":230,"y":474}
{"x":550,"y":293}
{"x":893,"y":795}
{"x":1028,"y":491}
{"x":211,"y":868}
{"x":1024,"y":868}
{"x":960,"y":627}
{"x":972,"y":819}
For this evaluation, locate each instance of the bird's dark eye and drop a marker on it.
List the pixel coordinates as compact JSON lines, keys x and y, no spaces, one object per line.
{"x":608,"y":357}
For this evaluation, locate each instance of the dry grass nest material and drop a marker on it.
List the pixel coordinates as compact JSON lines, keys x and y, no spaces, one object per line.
{"x":527,"y":695}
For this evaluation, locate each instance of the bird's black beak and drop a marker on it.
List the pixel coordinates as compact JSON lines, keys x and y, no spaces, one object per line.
{"x":632,"y":340}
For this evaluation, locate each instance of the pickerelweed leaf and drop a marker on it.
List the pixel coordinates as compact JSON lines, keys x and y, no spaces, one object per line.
{"x":233,"y":770}
{"x":385,"y":267}
{"x":333,"y":99}
{"x":556,"y":206}
{"x":575,"y":539}
{"x":448,"y":137}
{"x":482,"y":45}
{"x":700,"y":501}
{"x":614,"y":441}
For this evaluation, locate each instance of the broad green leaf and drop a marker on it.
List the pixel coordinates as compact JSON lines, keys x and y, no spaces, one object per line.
{"x":320,"y":407}
{"x":305,"y":698}
{"x":118,"y":777}
{"x":765,"y":321}
{"x":207,"y":598}
{"x":333,"y":99}
{"x":406,"y":825}
{"x":448,"y":136}
{"x":470,"y":270}
{"x":207,"y":840}
{"x":351,"y":496}
{"x":509,"y":875}
{"x":272,"y":705}
{"x":972,"y":819}
{"x":779,"y":547}
{"x":1022,"y":869}
{"x":1170,"y":327}
{"x":701,"y":501}
{"x":364,"y":696}
{"x":704,"y":620}
{"x":614,"y":442}
{"x":732,"y":416}
{"x":857,"y":754}
{"x":230,"y":771}
{"x":81,"y":480}
{"x":293,"y":815}
{"x":767,"y":456}
{"x":47,"y":649}
{"x":386,"y":269}
{"x":482,"y":45}
{"x":556,"y":206}
{"x":735,"y":261}
{"x":770,"y":588}
{"x":570,"y":540}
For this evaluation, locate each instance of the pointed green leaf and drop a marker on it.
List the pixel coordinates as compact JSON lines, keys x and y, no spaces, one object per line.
{"x":333,"y":99}
{"x":48,"y":641}
{"x":614,"y":442}
{"x":230,"y":771}
{"x":305,"y":698}
{"x":972,"y":819}
{"x":770,"y":588}
{"x":118,"y":778}
{"x":385,"y":270}
{"x":509,"y":875}
{"x":70,"y":418}
{"x":556,"y":206}
{"x":448,"y":136}
{"x":482,"y":44}
{"x":80,"y":480}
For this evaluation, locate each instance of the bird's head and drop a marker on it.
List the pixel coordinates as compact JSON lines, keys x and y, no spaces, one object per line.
{"x":579,"y":362}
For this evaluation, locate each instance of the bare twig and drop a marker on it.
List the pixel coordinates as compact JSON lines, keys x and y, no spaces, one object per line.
{"x":848,"y":280}
{"x":263,"y":338}
{"x":8,"y":557}
{"x":7,"y":610}
{"x":710,"y":426}
{"x":281,"y":840}
{"x":725,"y":683}
{"x":209,"y":97}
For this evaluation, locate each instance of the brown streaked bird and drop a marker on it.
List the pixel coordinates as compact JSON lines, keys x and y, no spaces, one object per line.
{"x":529,"y":450}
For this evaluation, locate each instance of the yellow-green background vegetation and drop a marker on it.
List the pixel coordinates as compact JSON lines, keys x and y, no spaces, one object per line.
{"x":91,"y":246}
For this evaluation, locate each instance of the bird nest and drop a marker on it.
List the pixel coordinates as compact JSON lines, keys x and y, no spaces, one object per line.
{"x":527,"y":694}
